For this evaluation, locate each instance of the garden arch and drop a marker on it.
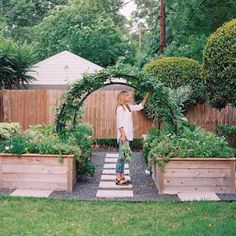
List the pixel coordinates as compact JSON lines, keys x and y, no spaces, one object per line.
{"x":158,"y":108}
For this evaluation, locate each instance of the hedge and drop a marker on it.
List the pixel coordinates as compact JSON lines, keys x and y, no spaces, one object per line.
{"x":136,"y":144}
{"x":177,"y":72}
{"x":219,"y":65}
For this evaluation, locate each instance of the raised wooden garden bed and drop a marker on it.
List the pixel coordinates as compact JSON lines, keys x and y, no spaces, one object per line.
{"x":195,"y":174}
{"x":35,"y":171}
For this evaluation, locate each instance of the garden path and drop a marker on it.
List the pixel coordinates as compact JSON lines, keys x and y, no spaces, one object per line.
{"x":107,"y":186}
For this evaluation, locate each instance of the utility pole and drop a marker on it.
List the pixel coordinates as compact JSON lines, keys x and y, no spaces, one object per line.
{"x":140,"y":36}
{"x":162,"y":25}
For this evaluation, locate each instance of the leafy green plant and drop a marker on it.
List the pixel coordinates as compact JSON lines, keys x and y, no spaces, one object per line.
{"x":229,"y":132}
{"x":126,"y":154}
{"x":190,"y":142}
{"x":82,"y":135}
{"x":176,"y":72}
{"x":84,"y":128}
{"x":16,"y":144}
{"x":8,"y":129}
{"x":44,"y":140}
{"x":153,"y":134}
{"x":220,"y":66}
{"x":15,"y":62}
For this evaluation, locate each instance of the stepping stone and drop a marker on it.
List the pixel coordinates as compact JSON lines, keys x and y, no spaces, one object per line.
{"x":107,"y":171}
{"x":31,"y":193}
{"x":114,"y":194}
{"x":111,"y":177}
{"x":112,"y":155}
{"x":113,"y":160}
{"x":105,"y":184}
{"x":113,"y":166}
{"x":198,"y":196}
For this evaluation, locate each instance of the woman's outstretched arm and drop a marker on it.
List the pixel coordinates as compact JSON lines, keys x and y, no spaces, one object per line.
{"x":139,"y":106}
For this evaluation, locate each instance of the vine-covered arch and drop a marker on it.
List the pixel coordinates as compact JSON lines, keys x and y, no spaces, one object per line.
{"x":158,"y":108}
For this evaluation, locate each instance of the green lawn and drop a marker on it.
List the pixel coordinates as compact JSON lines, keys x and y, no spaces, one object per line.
{"x":30,"y":216}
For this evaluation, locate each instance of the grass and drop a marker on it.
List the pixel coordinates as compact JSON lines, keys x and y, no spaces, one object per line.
{"x":31,"y":216}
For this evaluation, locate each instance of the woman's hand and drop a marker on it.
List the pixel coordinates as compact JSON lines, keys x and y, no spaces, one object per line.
{"x":123,"y":139}
{"x":145,"y":98}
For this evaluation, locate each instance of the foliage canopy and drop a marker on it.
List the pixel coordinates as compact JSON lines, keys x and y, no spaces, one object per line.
{"x":176,"y":72}
{"x":219,"y":63}
{"x":15,"y":61}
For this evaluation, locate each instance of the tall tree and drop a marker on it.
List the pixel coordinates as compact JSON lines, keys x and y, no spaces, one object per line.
{"x":86,"y":28}
{"x":188,"y":24}
{"x":21,"y":15}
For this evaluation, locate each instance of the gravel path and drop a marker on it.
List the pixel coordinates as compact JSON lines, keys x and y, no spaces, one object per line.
{"x":143,"y":185}
{"x":86,"y":187}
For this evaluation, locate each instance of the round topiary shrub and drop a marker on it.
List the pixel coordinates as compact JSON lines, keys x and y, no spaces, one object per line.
{"x":176,"y":72}
{"x":219,"y":65}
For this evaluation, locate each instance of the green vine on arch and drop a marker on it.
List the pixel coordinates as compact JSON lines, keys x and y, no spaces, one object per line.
{"x":159,"y":106}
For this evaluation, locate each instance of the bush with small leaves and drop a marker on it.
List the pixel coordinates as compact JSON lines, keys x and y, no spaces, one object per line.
{"x":176,"y":72}
{"x":219,"y":66}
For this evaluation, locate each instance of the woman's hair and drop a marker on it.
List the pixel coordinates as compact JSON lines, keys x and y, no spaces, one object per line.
{"x":121,"y":100}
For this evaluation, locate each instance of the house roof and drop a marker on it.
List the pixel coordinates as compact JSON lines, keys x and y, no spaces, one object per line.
{"x":61,"y":69}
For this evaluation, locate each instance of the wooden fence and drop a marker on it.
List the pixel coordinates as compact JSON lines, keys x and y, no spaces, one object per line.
{"x":208,"y":118}
{"x":30,"y":107}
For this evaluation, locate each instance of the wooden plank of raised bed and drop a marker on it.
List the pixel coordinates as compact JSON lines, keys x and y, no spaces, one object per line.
{"x":70,"y":175}
{"x":33,"y":161}
{"x":74,"y":174}
{"x":42,"y":169}
{"x":233,"y":184}
{"x":31,"y":178}
{"x":171,"y":172}
{"x":36,"y":186}
{"x":223,"y":164}
{"x":174,"y":190}
{"x":160,"y":180}
{"x":0,"y":171}
{"x":201,"y":182}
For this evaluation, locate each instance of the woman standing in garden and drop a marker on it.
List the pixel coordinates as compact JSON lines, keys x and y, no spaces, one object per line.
{"x":124,"y":125}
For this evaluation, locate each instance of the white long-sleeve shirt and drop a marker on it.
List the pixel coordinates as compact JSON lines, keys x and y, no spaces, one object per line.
{"x":124,"y":119}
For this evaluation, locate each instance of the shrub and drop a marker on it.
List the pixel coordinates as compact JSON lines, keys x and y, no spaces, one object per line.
{"x":20,"y":144}
{"x":8,"y":129}
{"x":229,"y":132}
{"x":219,"y":66}
{"x":136,"y":144}
{"x":44,"y":140}
{"x":191,"y":142}
{"x":82,"y":136}
{"x":105,"y":142}
{"x":153,"y":134}
{"x":15,"y":62}
{"x":176,"y":72}
{"x":84,"y":128}
{"x":16,"y":144}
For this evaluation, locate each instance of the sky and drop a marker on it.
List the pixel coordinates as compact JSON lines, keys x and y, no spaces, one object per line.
{"x":127,"y":9}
